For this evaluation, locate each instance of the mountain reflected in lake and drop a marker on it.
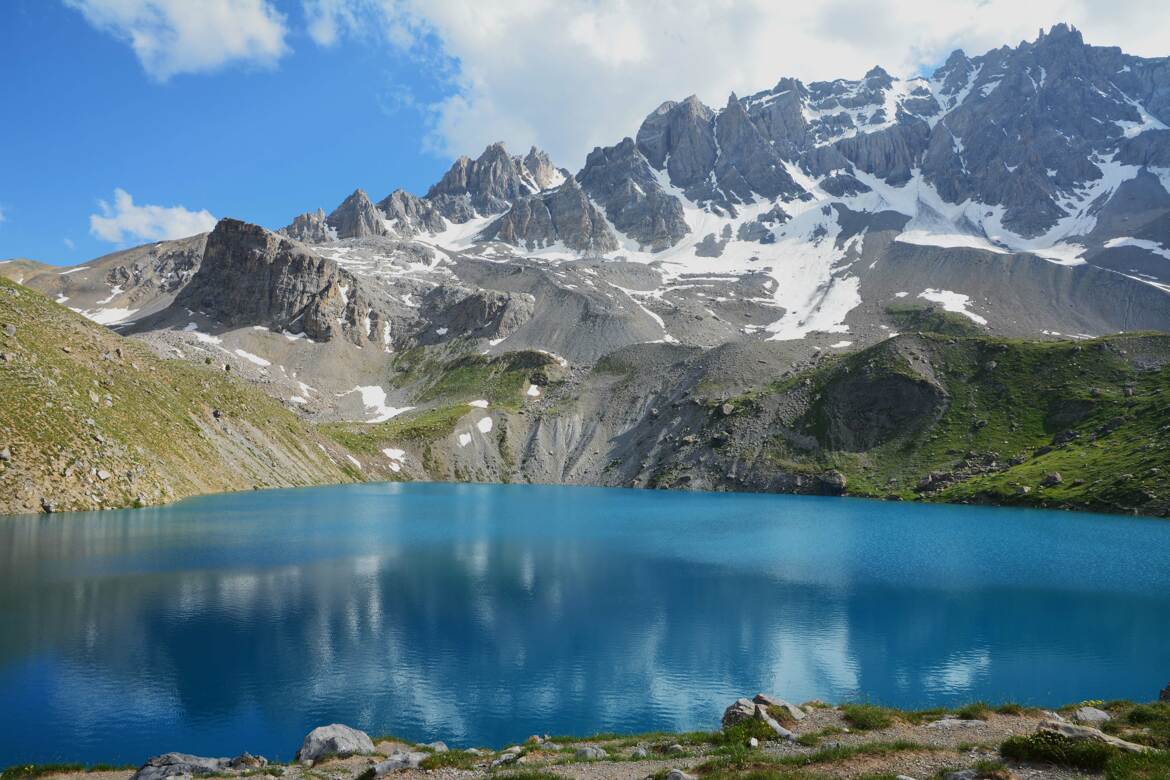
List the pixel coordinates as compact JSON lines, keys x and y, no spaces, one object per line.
{"x":482,"y":614}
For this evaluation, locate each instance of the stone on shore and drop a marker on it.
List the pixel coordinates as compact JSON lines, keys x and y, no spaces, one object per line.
{"x":174,"y":764}
{"x":640,"y":752}
{"x":334,"y":740}
{"x":796,"y":713}
{"x":738,"y":712}
{"x":399,"y":759}
{"x":1164,"y":695}
{"x":772,"y":723}
{"x":1082,"y":733}
{"x":678,"y":774}
{"x":591,"y":753}
{"x":438,"y":747}
{"x":1091,"y":716}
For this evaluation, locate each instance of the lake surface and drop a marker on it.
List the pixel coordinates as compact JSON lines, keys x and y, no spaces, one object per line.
{"x":480,"y":614}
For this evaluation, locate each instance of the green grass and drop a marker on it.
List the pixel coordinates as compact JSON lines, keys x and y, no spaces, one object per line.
{"x":1045,"y":747}
{"x":454,"y":759}
{"x":997,"y":415}
{"x":867,"y":717}
{"x":930,"y":318}
{"x":975,"y":711}
{"x":76,"y":397}
{"x":742,"y":759}
{"x":1138,"y":766}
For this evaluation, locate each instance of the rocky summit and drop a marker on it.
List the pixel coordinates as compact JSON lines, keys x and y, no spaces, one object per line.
{"x":777,"y":292}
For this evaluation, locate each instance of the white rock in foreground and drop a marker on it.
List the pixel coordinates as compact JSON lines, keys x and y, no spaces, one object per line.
{"x":334,"y":740}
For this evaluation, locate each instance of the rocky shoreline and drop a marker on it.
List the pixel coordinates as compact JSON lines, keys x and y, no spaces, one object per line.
{"x":763,"y":738}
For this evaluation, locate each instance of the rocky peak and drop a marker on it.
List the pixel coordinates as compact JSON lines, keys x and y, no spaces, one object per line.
{"x":564,"y":215}
{"x":410,"y":215}
{"x":310,"y":227}
{"x":540,"y":168}
{"x":357,"y":217}
{"x":877,"y":78}
{"x":682,"y":138}
{"x":486,"y":185}
{"x":620,"y":179}
{"x":250,"y":276}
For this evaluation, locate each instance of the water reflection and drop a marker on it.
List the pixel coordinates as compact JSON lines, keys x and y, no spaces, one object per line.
{"x":483,"y":614}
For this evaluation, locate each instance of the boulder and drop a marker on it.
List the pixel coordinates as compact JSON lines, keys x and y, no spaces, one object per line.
{"x":1164,"y":695}
{"x":738,"y":712}
{"x":1051,"y":480}
{"x":399,"y":759}
{"x":1091,"y":716}
{"x":678,"y":774}
{"x":796,"y":713}
{"x":762,"y":714}
{"x":640,"y":752}
{"x":438,"y":747}
{"x":591,"y":753}
{"x":965,"y":774}
{"x":334,"y":740}
{"x":1081,"y":733}
{"x":173,"y":764}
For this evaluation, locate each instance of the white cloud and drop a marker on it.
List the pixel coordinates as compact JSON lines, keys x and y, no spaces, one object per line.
{"x":124,"y":220}
{"x":571,"y":74}
{"x":191,"y":36}
{"x":3,"y":217}
{"x":69,"y":243}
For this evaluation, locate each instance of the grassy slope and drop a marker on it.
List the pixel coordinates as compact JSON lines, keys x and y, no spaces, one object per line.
{"x":1006,"y":402}
{"x":442,"y":389}
{"x":155,"y":439}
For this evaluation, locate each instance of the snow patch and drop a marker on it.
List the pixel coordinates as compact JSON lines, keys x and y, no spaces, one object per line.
{"x":374,"y":400}
{"x":253,"y":358}
{"x":953,"y":302}
{"x":484,"y":425}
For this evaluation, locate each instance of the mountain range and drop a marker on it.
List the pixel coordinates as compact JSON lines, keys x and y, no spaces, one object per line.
{"x":1020,"y":194}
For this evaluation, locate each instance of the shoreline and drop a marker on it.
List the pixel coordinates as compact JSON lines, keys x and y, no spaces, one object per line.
{"x":927,"y":501}
{"x":763,"y":738}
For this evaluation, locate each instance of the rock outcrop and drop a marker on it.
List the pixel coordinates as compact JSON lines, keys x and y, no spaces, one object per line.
{"x":621,"y":181}
{"x":335,"y":739}
{"x":564,"y":215}
{"x":250,"y":276}
{"x":357,"y":217}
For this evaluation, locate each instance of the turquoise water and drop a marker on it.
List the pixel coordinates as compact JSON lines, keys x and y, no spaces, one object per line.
{"x":480,"y":614}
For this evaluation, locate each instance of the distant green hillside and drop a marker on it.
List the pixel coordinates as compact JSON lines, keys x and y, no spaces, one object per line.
{"x":972,"y":419}
{"x":90,"y":419}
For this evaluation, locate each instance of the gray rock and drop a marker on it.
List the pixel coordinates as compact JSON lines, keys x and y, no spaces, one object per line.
{"x":250,"y":276}
{"x":678,"y":774}
{"x":488,"y":184}
{"x":753,"y":743}
{"x":1051,"y":480}
{"x":564,"y":214}
{"x":5,"y":454}
{"x":356,"y":217}
{"x":761,"y":713}
{"x":738,"y":712}
{"x":175,"y":764}
{"x":639,"y":752}
{"x":794,"y":711}
{"x":591,"y":753}
{"x":1091,"y":716}
{"x":399,"y":759}
{"x":621,"y":181}
{"x":310,"y":227}
{"x":438,"y":746}
{"x":1080,"y":733}
{"x":10,"y":330}
{"x":410,"y":215}
{"x":965,"y":774}
{"x":334,"y":740}
{"x":675,"y":749}
{"x":955,"y":723}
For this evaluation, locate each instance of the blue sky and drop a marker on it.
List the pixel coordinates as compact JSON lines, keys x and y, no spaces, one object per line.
{"x":82,"y":118}
{"x":177,"y":112}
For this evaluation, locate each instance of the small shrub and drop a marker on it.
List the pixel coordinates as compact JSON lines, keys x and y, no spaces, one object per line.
{"x":1010,"y":708}
{"x":457,"y":759}
{"x":867,"y":717}
{"x":974,"y":711}
{"x":740,"y":733}
{"x":1046,"y":747}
